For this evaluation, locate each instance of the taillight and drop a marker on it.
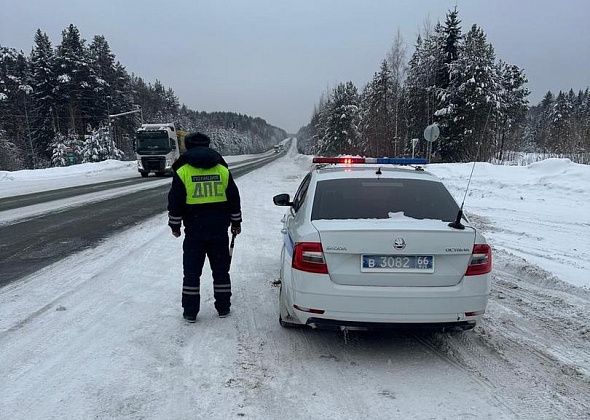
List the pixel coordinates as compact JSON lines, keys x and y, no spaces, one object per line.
{"x":481,"y":260}
{"x":309,"y":256}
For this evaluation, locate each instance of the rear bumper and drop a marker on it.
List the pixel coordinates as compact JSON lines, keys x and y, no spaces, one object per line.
{"x":334,"y":324}
{"x":389,"y":305}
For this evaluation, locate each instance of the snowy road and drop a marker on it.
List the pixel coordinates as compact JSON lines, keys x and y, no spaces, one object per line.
{"x":100,"y":334}
{"x":33,"y":236}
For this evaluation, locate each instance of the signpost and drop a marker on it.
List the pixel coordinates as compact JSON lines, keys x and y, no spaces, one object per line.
{"x":431,"y":133}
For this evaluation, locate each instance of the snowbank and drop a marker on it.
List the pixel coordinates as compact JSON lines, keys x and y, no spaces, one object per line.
{"x":33,"y":180}
{"x":540,"y":212}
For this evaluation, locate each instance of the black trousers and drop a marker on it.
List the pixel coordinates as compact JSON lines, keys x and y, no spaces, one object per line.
{"x":216,"y":248}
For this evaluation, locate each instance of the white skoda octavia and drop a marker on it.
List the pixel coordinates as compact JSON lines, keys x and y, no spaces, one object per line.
{"x":367,"y":246}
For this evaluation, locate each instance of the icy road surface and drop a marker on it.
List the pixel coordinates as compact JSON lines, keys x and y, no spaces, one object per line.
{"x":27,"y":181}
{"x":100,"y":335}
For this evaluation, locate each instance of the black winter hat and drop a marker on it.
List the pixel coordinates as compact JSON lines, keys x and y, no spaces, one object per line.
{"x":196,"y":139}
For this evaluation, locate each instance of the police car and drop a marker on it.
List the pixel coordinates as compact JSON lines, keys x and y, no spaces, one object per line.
{"x":369,"y":242}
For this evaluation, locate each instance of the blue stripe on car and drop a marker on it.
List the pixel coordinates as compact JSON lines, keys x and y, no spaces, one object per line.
{"x":288,"y":243}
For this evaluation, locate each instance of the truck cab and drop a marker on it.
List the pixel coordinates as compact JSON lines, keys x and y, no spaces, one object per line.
{"x":156,"y":148}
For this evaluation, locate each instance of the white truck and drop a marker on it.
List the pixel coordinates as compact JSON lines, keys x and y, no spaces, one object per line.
{"x":156,"y":148}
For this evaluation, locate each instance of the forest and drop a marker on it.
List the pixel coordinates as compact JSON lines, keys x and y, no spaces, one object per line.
{"x":55,"y":104}
{"x":454,"y":79}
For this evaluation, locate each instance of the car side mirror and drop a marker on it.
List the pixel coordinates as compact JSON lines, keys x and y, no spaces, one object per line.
{"x":282,"y":200}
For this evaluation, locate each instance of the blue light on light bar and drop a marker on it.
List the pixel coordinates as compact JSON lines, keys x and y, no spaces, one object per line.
{"x":401,"y":161}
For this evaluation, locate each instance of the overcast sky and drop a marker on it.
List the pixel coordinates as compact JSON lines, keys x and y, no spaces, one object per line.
{"x":272,"y":58}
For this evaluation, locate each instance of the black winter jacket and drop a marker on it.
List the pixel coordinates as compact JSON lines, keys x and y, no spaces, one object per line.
{"x":205,"y":219}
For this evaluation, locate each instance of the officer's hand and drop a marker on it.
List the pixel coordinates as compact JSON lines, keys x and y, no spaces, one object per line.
{"x":236,"y":229}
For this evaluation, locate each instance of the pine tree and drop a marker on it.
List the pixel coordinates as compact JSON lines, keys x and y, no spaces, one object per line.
{"x":10,"y":157}
{"x":451,"y":44}
{"x":560,"y":124}
{"x":99,"y":146}
{"x":75,"y":81}
{"x":513,"y":107}
{"x":416,"y":116}
{"x":376,"y":114}
{"x":542,"y":136}
{"x":104,"y":74}
{"x":473,"y":98}
{"x":59,"y":150}
{"x":44,"y":80}
{"x":452,"y":41}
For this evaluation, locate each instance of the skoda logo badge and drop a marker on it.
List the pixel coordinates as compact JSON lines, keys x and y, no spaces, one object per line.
{"x":399,"y":243}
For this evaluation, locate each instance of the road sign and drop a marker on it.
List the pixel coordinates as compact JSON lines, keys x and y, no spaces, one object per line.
{"x":431,"y":132}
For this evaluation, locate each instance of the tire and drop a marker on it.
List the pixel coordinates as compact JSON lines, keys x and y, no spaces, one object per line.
{"x":144,"y":174}
{"x":160,"y":174}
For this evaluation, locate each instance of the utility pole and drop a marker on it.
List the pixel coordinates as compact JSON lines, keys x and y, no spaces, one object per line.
{"x":137,"y":110}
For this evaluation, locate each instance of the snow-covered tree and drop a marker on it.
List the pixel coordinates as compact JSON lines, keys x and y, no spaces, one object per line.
{"x":59,"y":150}
{"x":473,"y":101}
{"x":377,"y":108}
{"x":513,"y":108}
{"x":104,"y":74}
{"x":44,"y":80}
{"x":339,"y":120}
{"x":75,"y":81}
{"x":10,"y":156}
{"x":99,"y":146}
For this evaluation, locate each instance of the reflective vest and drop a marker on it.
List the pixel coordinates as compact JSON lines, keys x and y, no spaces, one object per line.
{"x":204,"y":186}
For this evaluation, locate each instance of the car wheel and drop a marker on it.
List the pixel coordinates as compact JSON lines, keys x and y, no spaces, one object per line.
{"x":144,"y":174}
{"x":160,"y":173}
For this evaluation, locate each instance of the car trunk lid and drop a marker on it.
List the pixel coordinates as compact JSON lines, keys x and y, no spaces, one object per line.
{"x":346,"y":241}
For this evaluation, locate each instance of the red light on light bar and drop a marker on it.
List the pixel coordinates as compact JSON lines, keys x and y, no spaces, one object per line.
{"x":336,"y":160}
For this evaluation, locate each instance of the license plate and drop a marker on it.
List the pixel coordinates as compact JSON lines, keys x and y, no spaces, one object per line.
{"x":397,"y":263}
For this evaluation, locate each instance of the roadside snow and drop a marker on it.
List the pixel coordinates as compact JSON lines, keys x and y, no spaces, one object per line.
{"x":13,"y":183}
{"x":540,"y":212}
{"x":27,"y":181}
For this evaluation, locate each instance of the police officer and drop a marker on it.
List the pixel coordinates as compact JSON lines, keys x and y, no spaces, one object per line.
{"x":205,"y":198}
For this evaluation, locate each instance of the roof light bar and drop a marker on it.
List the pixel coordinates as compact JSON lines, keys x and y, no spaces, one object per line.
{"x":380,"y":161}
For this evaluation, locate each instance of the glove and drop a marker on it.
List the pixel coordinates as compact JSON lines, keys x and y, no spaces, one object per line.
{"x":175,"y":222}
{"x":236,"y":228}
{"x":175,"y":231}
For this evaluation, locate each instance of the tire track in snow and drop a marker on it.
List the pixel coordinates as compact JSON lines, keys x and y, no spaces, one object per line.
{"x":532,"y":345}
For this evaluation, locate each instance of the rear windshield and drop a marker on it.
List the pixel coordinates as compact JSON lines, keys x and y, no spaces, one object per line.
{"x":375,"y":198}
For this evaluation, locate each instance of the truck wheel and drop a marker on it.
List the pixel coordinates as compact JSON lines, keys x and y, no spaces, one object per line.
{"x":144,"y":174}
{"x":159,"y":173}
